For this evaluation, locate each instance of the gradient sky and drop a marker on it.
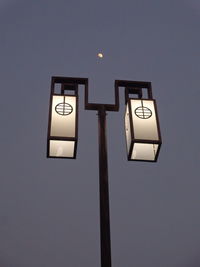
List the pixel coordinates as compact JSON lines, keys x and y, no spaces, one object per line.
{"x":49,"y":208}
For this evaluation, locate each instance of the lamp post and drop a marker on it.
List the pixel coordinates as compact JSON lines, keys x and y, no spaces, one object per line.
{"x":143,"y":138}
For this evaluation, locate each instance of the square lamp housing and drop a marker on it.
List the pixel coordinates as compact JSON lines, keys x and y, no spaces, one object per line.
{"x":143,"y":138}
{"x":63,"y":121}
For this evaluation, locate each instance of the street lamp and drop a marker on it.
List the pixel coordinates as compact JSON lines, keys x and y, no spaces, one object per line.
{"x":143,"y":138}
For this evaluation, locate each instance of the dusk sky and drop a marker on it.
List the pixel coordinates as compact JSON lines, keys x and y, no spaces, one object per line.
{"x":49,"y":208}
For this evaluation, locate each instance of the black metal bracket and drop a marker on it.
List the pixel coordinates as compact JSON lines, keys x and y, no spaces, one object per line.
{"x":131,"y":87}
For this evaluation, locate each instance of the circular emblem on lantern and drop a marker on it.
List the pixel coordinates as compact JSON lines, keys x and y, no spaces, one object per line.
{"x":143,"y":112}
{"x":64,"y":109}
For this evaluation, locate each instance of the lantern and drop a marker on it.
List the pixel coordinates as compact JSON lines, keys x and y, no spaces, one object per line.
{"x":142,"y":129}
{"x":63,"y":121}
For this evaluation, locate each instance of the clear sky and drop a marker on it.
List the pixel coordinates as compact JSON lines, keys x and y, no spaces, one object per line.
{"x":49,"y":209}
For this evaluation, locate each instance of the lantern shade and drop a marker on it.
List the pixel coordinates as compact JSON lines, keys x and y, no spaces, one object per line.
{"x":59,"y":148}
{"x":63,"y":116}
{"x":142,"y":130}
{"x":63,"y":130}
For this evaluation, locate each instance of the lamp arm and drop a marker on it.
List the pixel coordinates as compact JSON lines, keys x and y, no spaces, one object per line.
{"x":131,"y":87}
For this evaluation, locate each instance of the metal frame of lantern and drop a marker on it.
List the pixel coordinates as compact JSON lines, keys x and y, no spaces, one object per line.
{"x":131,"y":87}
{"x":142,"y":129}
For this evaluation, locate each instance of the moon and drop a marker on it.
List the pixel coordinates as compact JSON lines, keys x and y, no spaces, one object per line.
{"x":100,"y":55}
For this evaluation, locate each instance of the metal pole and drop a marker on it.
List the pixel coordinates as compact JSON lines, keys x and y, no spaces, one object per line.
{"x":104,"y":191}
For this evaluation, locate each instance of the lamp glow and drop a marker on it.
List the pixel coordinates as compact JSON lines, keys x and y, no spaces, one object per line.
{"x":143,"y":138}
{"x":62,"y":131}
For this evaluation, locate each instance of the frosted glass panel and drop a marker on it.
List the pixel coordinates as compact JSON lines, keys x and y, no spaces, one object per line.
{"x":63,"y":116}
{"x":61,"y":148}
{"x":144,"y":151}
{"x":144,"y":119}
{"x":127,"y":129}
